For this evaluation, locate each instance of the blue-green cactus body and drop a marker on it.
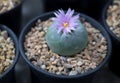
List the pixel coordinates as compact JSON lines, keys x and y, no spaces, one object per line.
{"x":67,"y":44}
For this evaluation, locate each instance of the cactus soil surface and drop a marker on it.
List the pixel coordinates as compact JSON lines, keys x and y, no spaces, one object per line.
{"x":113,"y":17}
{"x":7,"y":51}
{"x":6,"y":5}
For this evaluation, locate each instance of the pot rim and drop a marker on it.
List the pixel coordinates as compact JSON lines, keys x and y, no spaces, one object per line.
{"x":22,"y":1}
{"x":104,"y":13}
{"x":15,"y":40}
{"x":49,"y":14}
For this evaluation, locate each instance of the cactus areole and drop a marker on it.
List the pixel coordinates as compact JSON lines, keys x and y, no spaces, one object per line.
{"x":66,"y":36}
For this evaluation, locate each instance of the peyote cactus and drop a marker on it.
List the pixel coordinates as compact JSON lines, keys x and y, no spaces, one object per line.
{"x":66,"y":36}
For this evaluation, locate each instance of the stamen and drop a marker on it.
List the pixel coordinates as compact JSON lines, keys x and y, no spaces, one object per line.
{"x":66,"y":24}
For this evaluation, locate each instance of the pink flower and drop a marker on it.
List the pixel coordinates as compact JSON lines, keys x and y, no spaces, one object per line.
{"x":65,"y":23}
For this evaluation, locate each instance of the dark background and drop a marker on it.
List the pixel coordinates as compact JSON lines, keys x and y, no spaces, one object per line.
{"x":33,"y":8}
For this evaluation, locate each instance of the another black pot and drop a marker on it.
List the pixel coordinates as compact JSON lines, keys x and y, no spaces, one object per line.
{"x":92,"y":8}
{"x":41,"y":76}
{"x":8,"y":75}
{"x":12,"y":18}
{"x":78,"y":5}
{"x":115,"y":59}
{"x":95,"y":8}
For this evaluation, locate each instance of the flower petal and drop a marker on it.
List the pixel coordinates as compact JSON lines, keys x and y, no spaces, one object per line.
{"x":72,"y":28}
{"x":54,"y":19}
{"x":69,"y":13}
{"x":68,"y":30}
{"x":72,"y":24}
{"x":74,"y":18}
{"x":56,"y":14}
{"x":60,"y":29}
{"x":65,"y":31}
{"x":61,"y":12}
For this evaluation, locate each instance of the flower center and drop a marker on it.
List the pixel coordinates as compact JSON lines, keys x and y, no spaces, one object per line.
{"x":65,"y":25}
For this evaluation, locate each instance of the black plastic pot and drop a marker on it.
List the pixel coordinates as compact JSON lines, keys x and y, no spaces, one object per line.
{"x":12,"y":18}
{"x":41,"y":76}
{"x":115,"y":59}
{"x":8,"y":75}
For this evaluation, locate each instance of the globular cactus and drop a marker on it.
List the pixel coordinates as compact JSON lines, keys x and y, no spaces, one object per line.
{"x":66,"y":36}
